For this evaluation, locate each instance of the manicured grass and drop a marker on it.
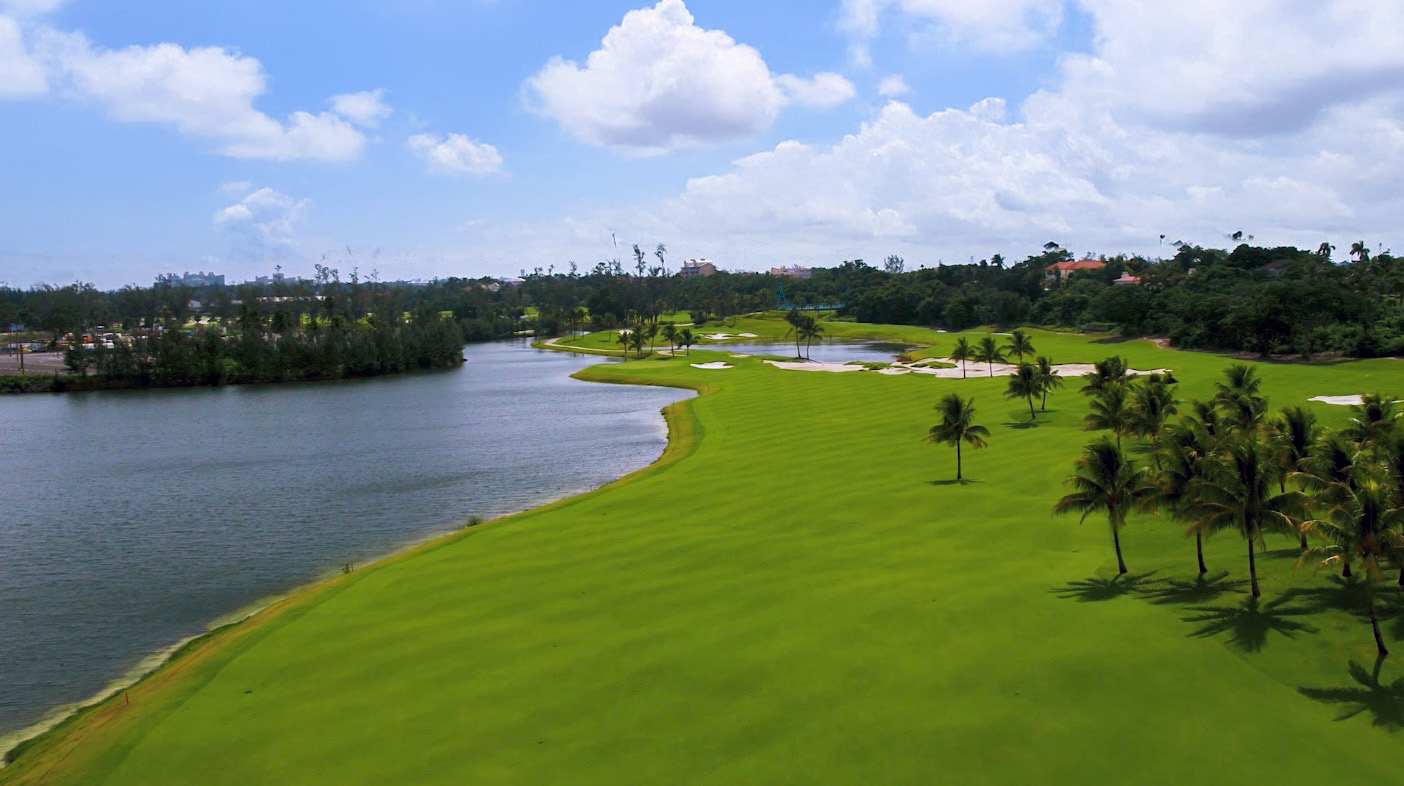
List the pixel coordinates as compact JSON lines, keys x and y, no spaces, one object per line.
{"x":798,"y":594}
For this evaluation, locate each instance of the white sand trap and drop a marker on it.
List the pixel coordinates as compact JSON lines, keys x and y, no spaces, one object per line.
{"x":716,"y":336}
{"x":745,"y":335}
{"x":804,"y":366}
{"x":1339,"y":401}
{"x":741,"y":356}
{"x":714,"y":365}
{"x":894,"y":371}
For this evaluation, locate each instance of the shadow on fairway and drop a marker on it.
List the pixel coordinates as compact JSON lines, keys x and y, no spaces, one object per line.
{"x":1342,"y":595}
{"x":1096,"y":589}
{"x":1200,"y":590}
{"x":1249,"y":623}
{"x":952,"y":482}
{"x":1293,"y":554}
{"x":1384,"y":701}
{"x":1024,"y":424}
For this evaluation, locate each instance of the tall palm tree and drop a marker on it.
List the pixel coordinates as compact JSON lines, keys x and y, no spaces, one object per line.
{"x":1239,"y":379}
{"x":625,"y":339}
{"x":1363,"y":529}
{"x":1181,"y":453}
{"x":1019,"y":345}
{"x":962,"y":352}
{"x":1106,"y":482}
{"x":1360,"y":251}
{"x":1024,"y":383}
{"x":810,"y":330}
{"x":1237,"y":493}
{"x":1048,"y":379}
{"x":1325,"y":250}
{"x":670,"y":332}
{"x":1372,"y":421}
{"x":1152,"y":402}
{"x":686,"y":339}
{"x":1111,"y":411}
{"x":1293,"y":433}
{"x":957,"y":425}
{"x":1105,"y":372}
{"x":987,"y":351}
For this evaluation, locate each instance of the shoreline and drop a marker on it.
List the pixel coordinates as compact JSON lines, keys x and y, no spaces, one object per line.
{"x":66,"y":722}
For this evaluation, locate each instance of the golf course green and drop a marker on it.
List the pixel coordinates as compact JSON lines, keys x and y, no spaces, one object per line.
{"x":797,"y":593}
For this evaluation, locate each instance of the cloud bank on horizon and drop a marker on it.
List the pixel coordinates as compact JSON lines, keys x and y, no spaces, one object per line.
{"x":1103,"y":125}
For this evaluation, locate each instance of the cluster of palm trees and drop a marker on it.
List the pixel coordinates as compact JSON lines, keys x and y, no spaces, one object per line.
{"x":1228,"y":464}
{"x":805,"y":328}
{"x":639,"y":332}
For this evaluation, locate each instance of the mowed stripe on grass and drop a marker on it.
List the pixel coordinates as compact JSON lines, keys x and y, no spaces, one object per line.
{"x":802,"y":598}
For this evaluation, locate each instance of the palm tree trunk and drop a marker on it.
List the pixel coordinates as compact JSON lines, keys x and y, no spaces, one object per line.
{"x":957,"y":459}
{"x":1044,"y":406}
{"x":1345,"y":572}
{"x":991,"y":369}
{"x":1116,"y":541}
{"x":1375,"y":625}
{"x":1032,"y":415}
{"x":1199,"y":552}
{"x":962,"y":368}
{"x":1253,"y":569}
{"x":1301,"y":536}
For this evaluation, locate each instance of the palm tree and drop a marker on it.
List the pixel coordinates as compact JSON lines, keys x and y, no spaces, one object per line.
{"x":636,"y":340}
{"x":651,"y":332}
{"x":1236,"y":493}
{"x":962,"y":352}
{"x":1106,"y":372}
{"x":795,"y":319}
{"x":1106,"y":482}
{"x":1111,"y":411}
{"x":1360,"y":251}
{"x":1180,"y":453}
{"x":670,"y":332}
{"x":1372,"y":421}
{"x":1019,"y":345}
{"x":686,"y":339}
{"x":957,"y":425}
{"x":1325,"y":250}
{"x":809,"y":330}
{"x":1363,"y":529}
{"x":1152,"y":402}
{"x":989,"y":352}
{"x":625,"y":340}
{"x":1293,"y":433}
{"x":1024,"y":383}
{"x":1048,"y":379}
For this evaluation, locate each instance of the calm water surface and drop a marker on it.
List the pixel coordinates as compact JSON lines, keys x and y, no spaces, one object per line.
{"x":132,"y":519}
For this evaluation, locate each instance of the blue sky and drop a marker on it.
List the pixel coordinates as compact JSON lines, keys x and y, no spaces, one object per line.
{"x":426,"y":138}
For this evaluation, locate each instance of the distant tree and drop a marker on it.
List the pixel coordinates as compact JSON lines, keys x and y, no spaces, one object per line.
{"x":1024,"y":383}
{"x":1325,"y":250}
{"x":1293,"y":433}
{"x":795,"y":319}
{"x":987,"y":351}
{"x":957,"y":425}
{"x":670,"y":333}
{"x":686,"y":339}
{"x":894,"y":264}
{"x":1019,"y":345}
{"x":1106,"y":482}
{"x":962,"y":352}
{"x":1372,"y":421}
{"x":1152,"y":402}
{"x":1360,"y":251}
{"x":1104,"y":373}
{"x":809,"y":330}
{"x":1048,"y":380}
{"x":1181,"y":454}
{"x":625,"y":339}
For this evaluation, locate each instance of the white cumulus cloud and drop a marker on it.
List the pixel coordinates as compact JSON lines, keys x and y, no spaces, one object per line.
{"x":893,"y":86}
{"x":365,"y":109}
{"x":456,"y":154}
{"x":20,"y":74}
{"x":823,"y":90}
{"x":659,"y":82}
{"x":261,"y":225}
{"x":991,"y":25}
{"x":29,"y":7}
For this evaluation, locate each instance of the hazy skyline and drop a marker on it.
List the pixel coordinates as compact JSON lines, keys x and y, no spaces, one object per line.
{"x":480,"y":137}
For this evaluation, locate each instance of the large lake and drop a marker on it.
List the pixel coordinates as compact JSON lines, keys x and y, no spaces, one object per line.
{"x":133,"y":519}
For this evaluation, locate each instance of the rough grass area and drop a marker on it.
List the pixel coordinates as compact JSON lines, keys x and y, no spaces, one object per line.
{"x":798,"y":594}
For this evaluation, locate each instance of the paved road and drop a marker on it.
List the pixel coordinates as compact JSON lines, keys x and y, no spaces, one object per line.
{"x":34,"y":363}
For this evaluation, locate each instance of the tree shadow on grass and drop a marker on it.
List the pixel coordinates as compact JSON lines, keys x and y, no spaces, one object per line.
{"x":1200,"y":590}
{"x":1097,"y":589}
{"x":1384,"y":701}
{"x":1021,"y":425}
{"x":1249,"y":623}
{"x":951,"y":482}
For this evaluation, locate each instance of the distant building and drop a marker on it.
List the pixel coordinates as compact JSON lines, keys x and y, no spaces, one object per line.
{"x":195,"y":280}
{"x":1127,"y":280}
{"x":1059,"y":271}
{"x":794,"y":271}
{"x":697,"y":268}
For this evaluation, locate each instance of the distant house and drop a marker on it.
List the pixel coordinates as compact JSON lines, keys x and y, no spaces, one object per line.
{"x":1059,"y":271}
{"x":1127,"y":280}
{"x":697,"y":268}
{"x":794,"y":271}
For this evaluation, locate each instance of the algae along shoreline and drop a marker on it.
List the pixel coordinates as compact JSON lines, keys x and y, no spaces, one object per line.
{"x":797,"y":590}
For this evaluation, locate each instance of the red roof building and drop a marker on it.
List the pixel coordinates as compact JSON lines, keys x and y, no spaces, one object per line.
{"x":1061,"y":270}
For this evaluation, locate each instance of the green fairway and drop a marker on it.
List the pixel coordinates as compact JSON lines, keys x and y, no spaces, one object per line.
{"x":797,"y":594}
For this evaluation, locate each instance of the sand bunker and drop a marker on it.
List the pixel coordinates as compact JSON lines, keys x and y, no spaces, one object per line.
{"x":1342,"y":401}
{"x":973,"y":371}
{"x":725,"y":336}
{"x":713,"y":365}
